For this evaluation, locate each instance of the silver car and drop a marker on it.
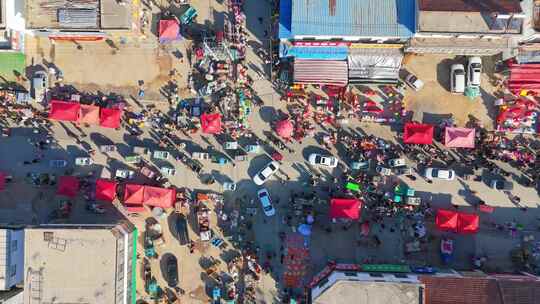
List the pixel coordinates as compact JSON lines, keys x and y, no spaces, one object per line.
{"x":325,"y":161}
{"x":434,"y":173}
{"x":262,"y":176}
{"x":161,"y":155}
{"x":167,"y":171}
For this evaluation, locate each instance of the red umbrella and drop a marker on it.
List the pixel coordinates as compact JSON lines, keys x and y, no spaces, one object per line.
{"x":284,"y":128}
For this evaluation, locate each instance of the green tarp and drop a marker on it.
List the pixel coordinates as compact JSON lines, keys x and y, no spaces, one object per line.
{"x":11,"y":65}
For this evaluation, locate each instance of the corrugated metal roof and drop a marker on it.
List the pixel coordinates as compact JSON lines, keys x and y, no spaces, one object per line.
{"x":78,"y":17}
{"x":369,"y":18}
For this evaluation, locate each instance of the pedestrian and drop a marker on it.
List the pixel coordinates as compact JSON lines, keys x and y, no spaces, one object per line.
{"x":260,"y":20}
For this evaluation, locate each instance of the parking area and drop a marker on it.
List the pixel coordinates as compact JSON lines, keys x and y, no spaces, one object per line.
{"x":435,"y":102}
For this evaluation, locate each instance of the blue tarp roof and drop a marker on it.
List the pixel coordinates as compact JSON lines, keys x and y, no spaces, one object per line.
{"x":316,"y":52}
{"x":367,"y":18}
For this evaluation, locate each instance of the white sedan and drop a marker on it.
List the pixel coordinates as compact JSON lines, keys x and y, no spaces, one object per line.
{"x":326,"y":161}
{"x":266,"y":202}
{"x":263,"y":175}
{"x":443,"y":174}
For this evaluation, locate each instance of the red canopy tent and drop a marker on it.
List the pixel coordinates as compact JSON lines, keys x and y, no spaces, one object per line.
{"x":211,"y":123}
{"x":468,"y":223}
{"x":159,"y":197}
{"x":105,"y":190}
{"x":2,"y":181}
{"x":345,"y":208}
{"x":68,"y":186}
{"x":64,"y":110}
{"x":89,"y":114}
{"x":415,"y":133}
{"x":459,"y":137}
{"x":446,"y":220}
{"x":284,"y":128}
{"x":169,"y":30}
{"x":134,"y":194}
{"x":110,"y":118}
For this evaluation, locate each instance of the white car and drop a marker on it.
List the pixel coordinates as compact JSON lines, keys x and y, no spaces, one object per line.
{"x":474,"y":69}
{"x":443,"y":174}
{"x":167,"y":171}
{"x":266,"y":202}
{"x":414,"y":82}
{"x":263,"y":175}
{"x":457,"y":79}
{"x":326,"y":161}
{"x":161,"y":155}
{"x":396,"y":162}
{"x":83,"y":161}
{"x":124,"y":173}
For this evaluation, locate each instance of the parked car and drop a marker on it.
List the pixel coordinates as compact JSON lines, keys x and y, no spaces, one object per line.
{"x":124,"y":173}
{"x":167,"y":171}
{"x":414,"y":82}
{"x":396,"y":162}
{"x":320,"y":160}
{"x":432,"y":173}
{"x":403,"y":171}
{"x":107,"y":148}
{"x":474,"y":69}
{"x":148,"y":172}
{"x":502,"y":185}
{"x":383,"y":171}
{"x":266,"y":202}
{"x":172,"y":271}
{"x":263,"y":175}
{"x":83,"y":161}
{"x":140,"y":150}
{"x":57,"y":163}
{"x":161,"y":155}
{"x":181,"y":229}
{"x":457,"y":79}
{"x":133,"y":159}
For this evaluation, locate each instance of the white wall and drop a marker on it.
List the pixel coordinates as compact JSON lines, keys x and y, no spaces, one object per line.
{"x":15,"y":15}
{"x":16,"y":258}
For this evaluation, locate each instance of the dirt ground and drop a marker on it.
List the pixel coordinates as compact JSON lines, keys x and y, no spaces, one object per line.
{"x":435,"y":101}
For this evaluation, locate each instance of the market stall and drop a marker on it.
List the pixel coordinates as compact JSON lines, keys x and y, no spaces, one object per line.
{"x":416,"y":133}
{"x":321,"y":72}
{"x":459,"y":137}
{"x":105,"y":190}
{"x":68,"y":186}
{"x":64,"y":110}
{"x":345,"y":208}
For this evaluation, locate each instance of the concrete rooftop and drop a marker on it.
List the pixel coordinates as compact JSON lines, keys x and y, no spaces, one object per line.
{"x":370,"y":293}
{"x":76,"y":266}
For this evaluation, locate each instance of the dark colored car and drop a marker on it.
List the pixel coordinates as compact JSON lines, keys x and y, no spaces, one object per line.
{"x":172,"y":271}
{"x":182,"y":229}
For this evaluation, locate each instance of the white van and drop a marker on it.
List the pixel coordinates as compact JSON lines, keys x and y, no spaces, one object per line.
{"x":457,"y":79}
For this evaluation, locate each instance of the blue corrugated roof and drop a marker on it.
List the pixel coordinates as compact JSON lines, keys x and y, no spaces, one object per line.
{"x":285,"y":13}
{"x":370,"y":18}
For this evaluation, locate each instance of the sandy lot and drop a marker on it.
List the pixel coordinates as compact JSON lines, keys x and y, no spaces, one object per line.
{"x":435,"y":101}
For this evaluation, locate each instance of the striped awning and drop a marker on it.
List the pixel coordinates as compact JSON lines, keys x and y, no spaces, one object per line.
{"x":328,"y":72}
